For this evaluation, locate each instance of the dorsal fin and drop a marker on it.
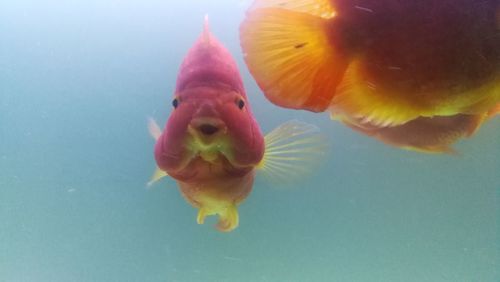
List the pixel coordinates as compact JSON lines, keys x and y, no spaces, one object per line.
{"x":206,"y":30}
{"x":209,"y":59}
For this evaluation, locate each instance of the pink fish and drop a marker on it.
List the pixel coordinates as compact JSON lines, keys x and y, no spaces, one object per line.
{"x":212,"y":145}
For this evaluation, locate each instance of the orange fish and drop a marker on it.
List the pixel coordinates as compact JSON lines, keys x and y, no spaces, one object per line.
{"x":430,"y":135}
{"x":427,"y":134}
{"x":212,"y":145}
{"x":376,"y":63}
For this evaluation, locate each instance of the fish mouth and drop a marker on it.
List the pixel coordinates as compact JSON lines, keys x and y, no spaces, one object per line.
{"x":207,"y":128}
{"x":208,"y":138}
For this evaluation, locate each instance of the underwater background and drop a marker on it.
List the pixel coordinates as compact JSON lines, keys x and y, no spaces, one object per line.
{"x":78,"y":80}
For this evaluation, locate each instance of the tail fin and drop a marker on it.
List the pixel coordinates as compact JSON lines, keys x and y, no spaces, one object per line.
{"x":293,"y":150}
{"x":228,"y":217}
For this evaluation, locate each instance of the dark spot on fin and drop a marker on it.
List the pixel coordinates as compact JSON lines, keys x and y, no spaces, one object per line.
{"x":300,"y":45}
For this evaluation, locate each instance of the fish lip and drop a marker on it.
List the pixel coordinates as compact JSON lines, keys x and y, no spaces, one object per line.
{"x":199,"y":122}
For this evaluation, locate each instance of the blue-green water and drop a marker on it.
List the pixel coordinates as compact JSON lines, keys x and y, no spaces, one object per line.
{"x":77,"y":83}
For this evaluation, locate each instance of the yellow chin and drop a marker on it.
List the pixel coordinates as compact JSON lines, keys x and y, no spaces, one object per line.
{"x":209,"y":148}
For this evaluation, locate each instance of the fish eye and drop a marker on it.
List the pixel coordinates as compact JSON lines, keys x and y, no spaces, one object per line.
{"x":175,"y":103}
{"x":241,"y":104}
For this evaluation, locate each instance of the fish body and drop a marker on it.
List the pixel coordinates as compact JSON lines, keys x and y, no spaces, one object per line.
{"x":377,"y":63}
{"x":211,"y":144}
{"x":426,"y":58}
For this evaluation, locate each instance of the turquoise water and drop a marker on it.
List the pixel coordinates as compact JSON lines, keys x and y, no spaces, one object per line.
{"x":77,"y":83}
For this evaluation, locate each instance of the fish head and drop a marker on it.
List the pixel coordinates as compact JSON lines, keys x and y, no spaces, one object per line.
{"x":216,"y":121}
{"x":212,"y":118}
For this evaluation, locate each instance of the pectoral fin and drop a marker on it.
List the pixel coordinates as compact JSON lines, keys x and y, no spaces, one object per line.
{"x":289,"y":51}
{"x":157,"y":175}
{"x":155,"y":132}
{"x":293,"y":150}
{"x":154,"y":128}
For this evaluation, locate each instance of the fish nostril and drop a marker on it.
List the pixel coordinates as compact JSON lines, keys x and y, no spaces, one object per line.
{"x":208,"y":129}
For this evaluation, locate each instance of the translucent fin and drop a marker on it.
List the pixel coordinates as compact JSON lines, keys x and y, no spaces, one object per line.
{"x":157,"y":175}
{"x":202,"y":214}
{"x":475,"y":123}
{"x":293,"y":150}
{"x":429,"y":135}
{"x":319,"y":8}
{"x":228,"y":217}
{"x":292,"y":58}
{"x":445,"y":149}
{"x":206,"y":30}
{"x":496,"y":110}
{"x":155,"y":132}
{"x":360,"y":98}
{"x":154,"y":128}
